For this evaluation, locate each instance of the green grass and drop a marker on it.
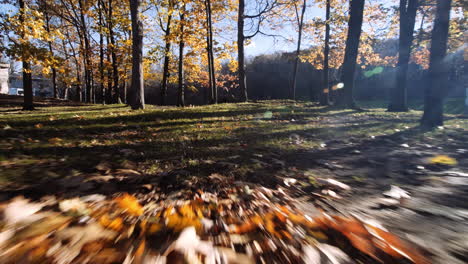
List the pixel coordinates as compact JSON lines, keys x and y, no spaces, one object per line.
{"x":55,"y":142}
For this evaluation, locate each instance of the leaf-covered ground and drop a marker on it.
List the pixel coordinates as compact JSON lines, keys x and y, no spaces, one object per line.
{"x":253,"y":167}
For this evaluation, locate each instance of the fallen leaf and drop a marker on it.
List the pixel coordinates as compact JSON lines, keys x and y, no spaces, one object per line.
{"x":233,"y":257}
{"x":75,"y":206}
{"x":55,"y":140}
{"x":78,"y":117}
{"x":333,"y":183}
{"x":114,"y":224}
{"x":397,"y":193}
{"x":443,"y":160}
{"x":20,"y":209}
{"x":289,"y":181}
{"x":130,"y":204}
{"x":77,"y":237}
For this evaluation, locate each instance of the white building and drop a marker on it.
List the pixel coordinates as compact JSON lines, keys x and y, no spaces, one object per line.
{"x":4,"y":69}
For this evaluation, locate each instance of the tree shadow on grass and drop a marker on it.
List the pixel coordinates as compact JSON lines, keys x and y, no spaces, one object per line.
{"x":257,"y":157}
{"x":85,"y":159}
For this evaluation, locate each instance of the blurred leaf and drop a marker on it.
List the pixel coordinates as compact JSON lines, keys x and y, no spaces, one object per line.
{"x":130,"y":204}
{"x":443,"y":160}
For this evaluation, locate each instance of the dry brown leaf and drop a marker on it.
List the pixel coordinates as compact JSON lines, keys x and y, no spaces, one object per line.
{"x":55,"y":140}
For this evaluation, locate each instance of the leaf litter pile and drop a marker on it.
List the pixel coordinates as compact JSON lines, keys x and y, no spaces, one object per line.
{"x":215,"y":220}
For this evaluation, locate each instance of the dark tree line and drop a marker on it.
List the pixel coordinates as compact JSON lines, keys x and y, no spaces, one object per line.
{"x":434,"y":93}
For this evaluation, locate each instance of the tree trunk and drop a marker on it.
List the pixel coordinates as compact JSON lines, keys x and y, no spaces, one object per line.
{"x":167,"y":49}
{"x":78,"y":70}
{"x":298,"y":50}
{"x":407,"y":20}
{"x":165,"y":73}
{"x":137,"y":93}
{"x":124,"y":92}
{"x":181,"y":88}
{"x":108,"y":98}
{"x":211,"y":69}
{"x":65,"y":85}
{"x":438,"y":69}
{"x":466,"y":100}
{"x":79,"y":90}
{"x":115,"y":68}
{"x":27,"y":77}
{"x":240,"y":52}
{"x":86,"y":55}
{"x":101,"y":54}
{"x":27,"y":87}
{"x":325,"y":93}
{"x":351,"y":52}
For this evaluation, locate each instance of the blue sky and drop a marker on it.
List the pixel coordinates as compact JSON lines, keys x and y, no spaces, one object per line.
{"x":266,"y":45}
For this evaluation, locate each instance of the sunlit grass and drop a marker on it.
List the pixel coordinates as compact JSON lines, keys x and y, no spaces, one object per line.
{"x":89,"y":134}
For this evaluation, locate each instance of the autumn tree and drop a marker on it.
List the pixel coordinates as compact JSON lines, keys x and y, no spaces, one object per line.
{"x":137,"y":93}
{"x":100,"y":29}
{"x":262,"y":10}
{"x":351,"y":52}
{"x":27,"y":77}
{"x":27,"y":36}
{"x":328,"y":38}
{"x":165,"y":11}
{"x":112,"y":46}
{"x":210,"y":54}
{"x":438,"y":69}
{"x":48,"y":24}
{"x":300,"y":23}
{"x":407,"y":20}
{"x":325,"y":92}
{"x":181,"y":77}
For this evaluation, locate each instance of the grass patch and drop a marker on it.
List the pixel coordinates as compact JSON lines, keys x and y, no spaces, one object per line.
{"x":56,"y":141}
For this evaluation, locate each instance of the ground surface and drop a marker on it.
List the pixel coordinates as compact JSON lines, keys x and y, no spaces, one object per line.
{"x":80,"y":150}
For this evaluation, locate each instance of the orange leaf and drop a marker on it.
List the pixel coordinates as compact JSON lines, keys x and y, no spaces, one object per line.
{"x":397,"y":246}
{"x":130,"y":204}
{"x":362,"y":244}
{"x":141,"y":249}
{"x":250,"y":225}
{"x":116,"y":224}
{"x":154,"y":228}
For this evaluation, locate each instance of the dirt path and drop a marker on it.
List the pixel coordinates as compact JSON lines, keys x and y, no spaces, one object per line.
{"x":436,"y":214}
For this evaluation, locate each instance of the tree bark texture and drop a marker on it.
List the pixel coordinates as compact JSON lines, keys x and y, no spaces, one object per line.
{"x":137,"y":92}
{"x":438,"y":69}
{"x":351,"y":52}
{"x":398,"y":99}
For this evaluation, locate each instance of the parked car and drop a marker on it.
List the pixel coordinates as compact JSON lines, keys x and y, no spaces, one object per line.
{"x":16,"y":91}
